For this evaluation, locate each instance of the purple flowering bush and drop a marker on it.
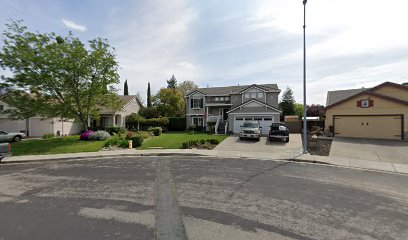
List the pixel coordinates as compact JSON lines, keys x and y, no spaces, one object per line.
{"x":85,"y":136}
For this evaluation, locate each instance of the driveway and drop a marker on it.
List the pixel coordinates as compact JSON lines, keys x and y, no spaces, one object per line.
{"x":233,"y":143}
{"x":392,"y":151}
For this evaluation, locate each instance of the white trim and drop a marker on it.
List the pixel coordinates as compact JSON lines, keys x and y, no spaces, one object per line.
{"x":256,"y":113}
{"x":252,"y":87}
{"x":218,"y":104}
{"x":195,"y":91}
{"x":254,"y":100}
{"x":196,"y":114}
{"x":218,"y":95}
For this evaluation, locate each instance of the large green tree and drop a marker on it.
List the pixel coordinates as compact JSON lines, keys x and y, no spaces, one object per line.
{"x":187,"y":86}
{"x":170,"y":103}
{"x":299,"y":110}
{"x":287,"y":104}
{"x":56,"y":76}
{"x":172,"y":82}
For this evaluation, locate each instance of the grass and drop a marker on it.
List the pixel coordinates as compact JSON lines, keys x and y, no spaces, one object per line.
{"x":69,"y":144}
{"x":174,"y":140}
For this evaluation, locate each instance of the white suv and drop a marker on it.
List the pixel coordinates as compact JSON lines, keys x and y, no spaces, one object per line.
{"x":250,"y":129}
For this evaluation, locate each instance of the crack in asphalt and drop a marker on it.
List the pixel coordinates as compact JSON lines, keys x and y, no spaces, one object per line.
{"x":169,"y":222}
{"x":232,"y":195}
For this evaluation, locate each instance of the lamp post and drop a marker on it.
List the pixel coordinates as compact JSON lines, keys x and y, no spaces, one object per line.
{"x":304,"y":80}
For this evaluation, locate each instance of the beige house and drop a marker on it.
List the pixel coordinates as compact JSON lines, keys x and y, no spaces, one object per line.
{"x":37,"y":126}
{"x":109,"y":117}
{"x":379,"y":112}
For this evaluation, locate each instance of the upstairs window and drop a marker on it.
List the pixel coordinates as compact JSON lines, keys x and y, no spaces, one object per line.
{"x":365,"y":103}
{"x":197,"y":103}
{"x":254,"y":95}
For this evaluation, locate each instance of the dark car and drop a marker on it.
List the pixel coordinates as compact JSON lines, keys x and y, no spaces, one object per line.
{"x":279,"y":131}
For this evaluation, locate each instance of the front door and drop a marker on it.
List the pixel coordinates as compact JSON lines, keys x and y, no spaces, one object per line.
{"x":225,"y":114}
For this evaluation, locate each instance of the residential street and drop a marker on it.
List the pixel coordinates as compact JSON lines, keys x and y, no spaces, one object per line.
{"x":199,"y":198}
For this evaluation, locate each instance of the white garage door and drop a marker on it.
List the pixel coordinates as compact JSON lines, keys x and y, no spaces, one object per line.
{"x":265,"y":123}
{"x":9,"y":125}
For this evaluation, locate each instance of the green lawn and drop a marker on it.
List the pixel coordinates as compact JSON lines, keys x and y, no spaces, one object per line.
{"x":174,"y":140}
{"x":69,"y":144}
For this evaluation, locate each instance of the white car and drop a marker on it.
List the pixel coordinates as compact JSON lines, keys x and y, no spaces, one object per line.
{"x":250,"y":129}
{"x":11,"y":137}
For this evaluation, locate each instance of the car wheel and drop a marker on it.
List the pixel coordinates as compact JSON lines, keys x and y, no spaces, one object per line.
{"x":259,"y":139}
{"x":270,"y":139}
{"x":287,"y":140}
{"x":240,"y":138}
{"x":16,"y":139}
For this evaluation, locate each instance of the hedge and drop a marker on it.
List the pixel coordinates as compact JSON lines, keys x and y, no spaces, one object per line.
{"x":177,"y":124}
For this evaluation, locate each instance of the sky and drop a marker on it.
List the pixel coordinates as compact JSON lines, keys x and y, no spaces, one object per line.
{"x":349,"y":43}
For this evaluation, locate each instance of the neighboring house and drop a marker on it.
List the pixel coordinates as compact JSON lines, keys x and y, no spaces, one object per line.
{"x":379,"y":112}
{"x":108,"y":117}
{"x":37,"y":126}
{"x":230,"y":106}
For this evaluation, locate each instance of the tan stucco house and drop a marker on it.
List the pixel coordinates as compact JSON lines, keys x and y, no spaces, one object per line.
{"x":379,"y":112}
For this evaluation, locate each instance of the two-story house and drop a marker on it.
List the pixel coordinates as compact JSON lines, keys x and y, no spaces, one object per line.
{"x":230,"y":106}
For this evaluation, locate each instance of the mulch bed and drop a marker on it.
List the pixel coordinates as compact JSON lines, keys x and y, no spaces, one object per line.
{"x":318,"y":146}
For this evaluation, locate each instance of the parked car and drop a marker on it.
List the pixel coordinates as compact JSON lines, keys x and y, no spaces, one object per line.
{"x":5,"y":150}
{"x":279,"y":131}
{"x":11,"y":137}
{"x":250,"y":129}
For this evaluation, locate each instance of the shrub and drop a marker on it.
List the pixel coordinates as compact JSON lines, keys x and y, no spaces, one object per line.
{"x":214,"y":141}
{"x":192,"y":127}
{"x":48,"y":136}
{"x":177,"y":124}
{"x":85,"y":136}
{"x":99,"y":136}
{"x":186,"y":144}
{"x":115,"y":130}
{"x":116,"y":141}
{"x":317,"y":130}
{"x":202,"y":141}
{"x":157,"y":131}
{"x":129,"y":135}
{"x":137,"y":140}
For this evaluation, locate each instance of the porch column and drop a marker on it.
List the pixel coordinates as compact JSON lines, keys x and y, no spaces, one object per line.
{"x":114,"y":120}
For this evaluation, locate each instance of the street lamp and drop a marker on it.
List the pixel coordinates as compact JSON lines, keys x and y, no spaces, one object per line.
{"x":304,"y":80}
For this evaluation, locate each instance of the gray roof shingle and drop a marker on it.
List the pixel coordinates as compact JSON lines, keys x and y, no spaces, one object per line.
{"x":232,"y":89}
{"x":336,"y":96}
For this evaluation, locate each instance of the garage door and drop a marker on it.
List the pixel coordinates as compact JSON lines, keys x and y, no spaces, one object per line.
{"x":265,"y":123}
{"x":9,"y":125}
{"x":370,"y":126}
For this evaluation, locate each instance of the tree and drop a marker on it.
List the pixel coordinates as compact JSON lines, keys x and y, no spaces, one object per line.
{"x":172,"y":82}
{"x":126,"y":89}
{"x":315,"y":110}
{"x":55,"y":76}
{"x":170,"y":102}
{"x":299,"y":110}
{"x":287,"y":105}
{"x":149,"y":96}
{"x":186,"y":87}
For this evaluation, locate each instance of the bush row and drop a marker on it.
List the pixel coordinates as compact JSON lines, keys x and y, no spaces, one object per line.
{"x":195,"y":142}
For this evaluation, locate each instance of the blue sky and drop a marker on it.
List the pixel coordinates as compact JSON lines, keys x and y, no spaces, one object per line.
{"x":350,"y":44}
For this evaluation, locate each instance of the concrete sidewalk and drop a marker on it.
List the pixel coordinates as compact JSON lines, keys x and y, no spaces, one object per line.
{"x":346,"y":162}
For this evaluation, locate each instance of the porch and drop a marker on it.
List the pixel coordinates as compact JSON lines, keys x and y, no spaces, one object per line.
{"x":109,"y":120}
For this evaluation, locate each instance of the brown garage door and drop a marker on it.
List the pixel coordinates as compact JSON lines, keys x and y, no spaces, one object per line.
{"x":368,"y":126}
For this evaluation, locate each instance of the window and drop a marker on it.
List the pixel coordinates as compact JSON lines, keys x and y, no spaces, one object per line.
{"x":216,"y":99}
{"x":247,"y":95}
{"x":253,"y":95}
{"x":239,"y":119}
{"x":267,"y":119}
{"x":197,"y":103}
{"x":198,"y":121}
{"x":260,"y":95}
{"x":365,"y":103}
{"x":1,"y":107}
{"x":258,"y":119}
{"x":227,"y":98}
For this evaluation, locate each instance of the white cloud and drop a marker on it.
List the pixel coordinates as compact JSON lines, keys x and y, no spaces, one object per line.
{"x":74,"y":26}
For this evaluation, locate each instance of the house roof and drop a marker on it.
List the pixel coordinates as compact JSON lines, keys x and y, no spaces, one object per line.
{"x":232,"y":89}
{"x":339,"y":95}
{"x":125,"y":100}
{"x":368,"y":91}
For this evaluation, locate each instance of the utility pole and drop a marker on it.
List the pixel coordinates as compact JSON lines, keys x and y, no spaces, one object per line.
{"x":304,"y":80}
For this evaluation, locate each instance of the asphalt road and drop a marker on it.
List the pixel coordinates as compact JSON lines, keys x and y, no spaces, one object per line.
{"x":199,"y":198}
